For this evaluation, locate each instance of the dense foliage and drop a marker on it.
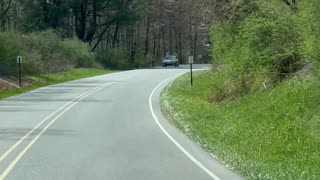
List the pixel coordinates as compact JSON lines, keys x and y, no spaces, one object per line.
{"x":43,"y":52}
{"x":144,"y":31}
{"x":8,"y":50}
{"x":265,"y":42}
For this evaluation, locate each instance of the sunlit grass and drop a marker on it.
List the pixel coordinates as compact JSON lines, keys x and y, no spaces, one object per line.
{"x":273,"y":134}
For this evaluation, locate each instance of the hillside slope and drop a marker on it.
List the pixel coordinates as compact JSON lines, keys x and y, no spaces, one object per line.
{"x":271,"y":134}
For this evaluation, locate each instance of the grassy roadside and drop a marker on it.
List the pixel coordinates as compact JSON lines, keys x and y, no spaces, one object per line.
{"x":273,"y":134}
{"x":50,"y":79}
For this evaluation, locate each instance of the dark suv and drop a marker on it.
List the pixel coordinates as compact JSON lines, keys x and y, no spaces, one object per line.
{"x":170,"y":61}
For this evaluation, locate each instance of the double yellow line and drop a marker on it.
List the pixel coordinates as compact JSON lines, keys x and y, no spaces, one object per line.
{"x":58,"y":113}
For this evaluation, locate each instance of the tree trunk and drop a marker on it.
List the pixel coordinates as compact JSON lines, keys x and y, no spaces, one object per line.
{"x":115,"y":36}
{"x":180,"y":48}
{"x":133,"y":46}
{"x":170,"y":40}
{"x":93,"y":24}
{"x":146,"y":42}
{"x":158,"y":56}
{"x":2,"y":15}
{"x":81,"y":19}
{"x":190,"y":37}
{"x":164,"y":42}
{"x":195,"y":52}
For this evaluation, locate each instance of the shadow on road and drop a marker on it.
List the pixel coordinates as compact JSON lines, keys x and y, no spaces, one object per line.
{"x":51,"y":94}
{"x":185,"y":66}
{"x":17,"y":133}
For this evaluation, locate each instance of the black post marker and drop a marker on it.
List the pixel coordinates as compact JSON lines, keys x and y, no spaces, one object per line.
{"x":19,"y":61}
{"x":191,"y":74}
{"x":191,"y":58}
{"x":20,"y":83}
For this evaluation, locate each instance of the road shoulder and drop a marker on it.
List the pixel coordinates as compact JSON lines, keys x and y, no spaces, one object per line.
{"x":201,"y":156}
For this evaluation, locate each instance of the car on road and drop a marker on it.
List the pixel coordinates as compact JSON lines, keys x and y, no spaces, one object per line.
{"x":170,"y":61}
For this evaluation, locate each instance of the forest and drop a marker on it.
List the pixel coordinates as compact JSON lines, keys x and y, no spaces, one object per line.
{"x":274,"y":36}
{"x":115,"y":34}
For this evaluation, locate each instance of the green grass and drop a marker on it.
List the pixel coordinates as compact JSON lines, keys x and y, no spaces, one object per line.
{"x":272,"y":134}
{"x":50,"y":79}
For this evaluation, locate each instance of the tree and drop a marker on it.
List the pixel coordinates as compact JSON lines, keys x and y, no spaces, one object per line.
{"x":5,"y":6}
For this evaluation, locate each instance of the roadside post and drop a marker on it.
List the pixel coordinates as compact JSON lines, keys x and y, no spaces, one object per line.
{"x":191,"y":61}
{"x":19,"y":62}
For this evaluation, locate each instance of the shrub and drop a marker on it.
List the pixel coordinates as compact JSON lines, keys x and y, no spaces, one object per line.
{"x":113,"y":59}
{"x":41,"y":51}
{"x":260,"y":50}
{"x":77,"y":52}
{"x":9,"y":49}
{"x":46,"y":52}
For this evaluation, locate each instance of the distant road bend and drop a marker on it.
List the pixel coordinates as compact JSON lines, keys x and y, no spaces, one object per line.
{"x":106,"y":127}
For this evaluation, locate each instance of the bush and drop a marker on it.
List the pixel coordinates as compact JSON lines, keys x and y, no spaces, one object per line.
{"x":9,"y":49}
{"x":38,"y":50}
{"x":46,"y":52}
{"x":113,"y":59}
{"x":119,"y":60}
{"x":78,"y":52}
{"x":260,"y":50}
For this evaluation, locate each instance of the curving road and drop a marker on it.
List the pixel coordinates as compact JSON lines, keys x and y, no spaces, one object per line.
{"x":106,"y":127}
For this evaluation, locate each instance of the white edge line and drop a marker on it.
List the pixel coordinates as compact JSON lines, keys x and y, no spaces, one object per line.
{"x":15,"y":161}
{"x":193,"y":159}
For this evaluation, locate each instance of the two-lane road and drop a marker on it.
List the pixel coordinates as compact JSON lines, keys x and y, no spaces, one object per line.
{"x":106,"y":127}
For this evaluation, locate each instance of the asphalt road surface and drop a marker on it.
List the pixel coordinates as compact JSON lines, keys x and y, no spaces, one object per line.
{"x":106,"y":127}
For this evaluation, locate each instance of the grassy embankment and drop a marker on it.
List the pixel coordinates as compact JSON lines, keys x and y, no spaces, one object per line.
{"x":50,"y":79}
{"x":271,"y":134}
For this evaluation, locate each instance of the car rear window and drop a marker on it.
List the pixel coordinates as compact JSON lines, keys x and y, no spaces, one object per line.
{"x":170,"y":57}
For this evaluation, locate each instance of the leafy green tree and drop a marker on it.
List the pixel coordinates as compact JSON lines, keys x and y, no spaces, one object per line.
{"x":44,"y":14}
{"x":9,"y":48}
